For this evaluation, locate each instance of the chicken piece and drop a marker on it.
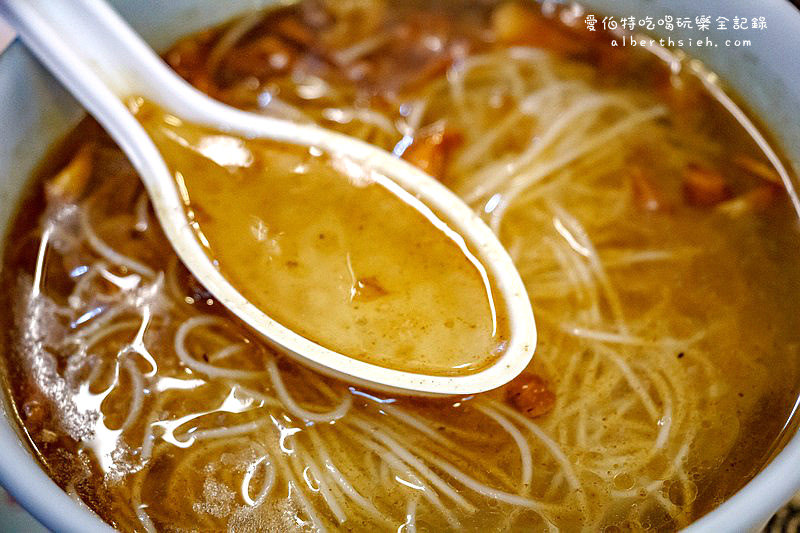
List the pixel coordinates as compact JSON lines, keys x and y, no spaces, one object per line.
{"x":70,"y":182}
{"x":259,"y":58}
{"x":431,"y":150}
{"x":529,"y":394}
{"x":704,"y":187}
{"x":646,"y":196}
{"x":188,"y":58}
{"x":515,"y":23}
{"x":755,"y":200}
{"x":757,"y":168}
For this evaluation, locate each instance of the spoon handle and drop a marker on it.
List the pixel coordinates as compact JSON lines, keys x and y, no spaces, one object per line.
{"x":91,"y":49}
{"x":102,"y":61}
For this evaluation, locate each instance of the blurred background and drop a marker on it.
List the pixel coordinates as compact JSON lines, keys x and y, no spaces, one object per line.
{"x":5,"y":34}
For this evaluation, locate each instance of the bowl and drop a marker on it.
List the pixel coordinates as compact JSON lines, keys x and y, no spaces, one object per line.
{"x":35,"y":111}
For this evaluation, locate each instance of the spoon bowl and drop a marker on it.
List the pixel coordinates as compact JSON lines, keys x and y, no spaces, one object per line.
{"x":102,"y":62}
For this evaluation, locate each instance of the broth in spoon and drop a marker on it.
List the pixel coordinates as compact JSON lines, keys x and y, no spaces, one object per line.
{"x":341,"y":255}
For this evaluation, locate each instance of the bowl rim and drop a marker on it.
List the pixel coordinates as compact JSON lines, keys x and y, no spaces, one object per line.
{"x":764,"y":494}
{"x":21,"y":474}
{"x":25,"y":480}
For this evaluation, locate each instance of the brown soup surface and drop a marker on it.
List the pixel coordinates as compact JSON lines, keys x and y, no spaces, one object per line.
{"x":333,"y":252}
{"x":654,"y":237}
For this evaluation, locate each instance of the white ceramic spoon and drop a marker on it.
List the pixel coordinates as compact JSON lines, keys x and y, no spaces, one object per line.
{"x":101,"y":60}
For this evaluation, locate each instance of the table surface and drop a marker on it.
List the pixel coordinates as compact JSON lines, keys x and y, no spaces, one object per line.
{"x":14,"y":518}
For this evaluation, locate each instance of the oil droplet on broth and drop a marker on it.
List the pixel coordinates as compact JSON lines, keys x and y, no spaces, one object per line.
{"x":332,"y":254}
{"x":624,"y":481}
{"x":682,"y":495}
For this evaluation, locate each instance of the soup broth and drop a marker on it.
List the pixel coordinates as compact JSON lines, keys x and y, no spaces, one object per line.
{"x":654,"y":237}
{"x":334,"y":253}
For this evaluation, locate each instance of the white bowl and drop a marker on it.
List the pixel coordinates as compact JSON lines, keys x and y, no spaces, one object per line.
{"x":35,"y":111}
